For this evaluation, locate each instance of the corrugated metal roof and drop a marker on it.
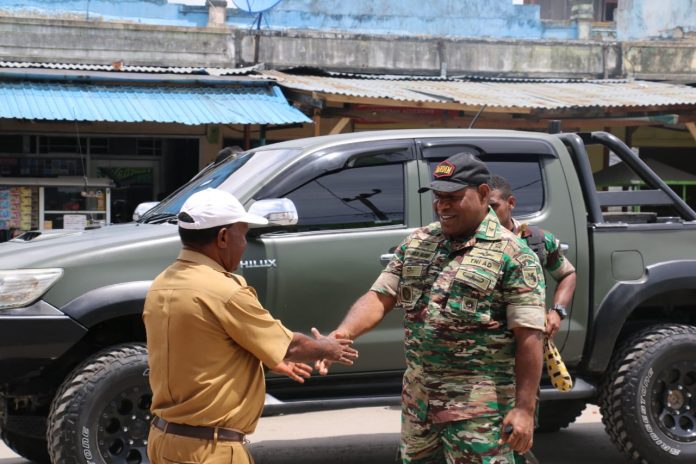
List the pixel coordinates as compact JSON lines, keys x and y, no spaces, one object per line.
{"x":183,"y":105}
{"x":119,"y":67}
{"x":313,"y":71}
{"x":504,"y":95}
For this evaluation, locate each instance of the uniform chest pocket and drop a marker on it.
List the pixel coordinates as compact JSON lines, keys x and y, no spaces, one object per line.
{"x":470,"y":295}
{"x":413,"y":280}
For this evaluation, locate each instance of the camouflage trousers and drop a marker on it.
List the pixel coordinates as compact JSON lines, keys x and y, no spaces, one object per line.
{"x":472,"y":441}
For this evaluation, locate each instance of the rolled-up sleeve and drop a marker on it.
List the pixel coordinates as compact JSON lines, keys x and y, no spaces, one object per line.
{"x":388,"y":281}
{"x":524,"y":291}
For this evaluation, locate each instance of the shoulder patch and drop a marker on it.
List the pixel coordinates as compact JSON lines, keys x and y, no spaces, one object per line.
{"x":530,"y":276}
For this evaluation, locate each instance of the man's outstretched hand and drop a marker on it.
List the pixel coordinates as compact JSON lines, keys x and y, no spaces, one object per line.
{"x":296,"y":371}
{"x":322,"y":365}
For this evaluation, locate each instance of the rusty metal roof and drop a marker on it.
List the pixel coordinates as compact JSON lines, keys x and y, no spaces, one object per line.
{"x":120,"y":67}
{"x":503,"y":95}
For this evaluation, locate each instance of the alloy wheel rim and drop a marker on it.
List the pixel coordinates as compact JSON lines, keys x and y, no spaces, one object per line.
{"x":124,"y":426}
{"x":674,"y":401}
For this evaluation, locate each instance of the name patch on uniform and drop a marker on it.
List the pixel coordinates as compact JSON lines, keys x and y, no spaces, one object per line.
{"x":415,"y":253}
{"x":412,"y":271}
{"x":473,"y":279}
{"x":498,"y":246}
{"x":488,"y":254}
{"x":422,"y":244}
{"x":444,"y":169}
{"x":483,"y":263}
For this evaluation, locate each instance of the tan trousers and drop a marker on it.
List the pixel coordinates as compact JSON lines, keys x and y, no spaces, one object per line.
{"x":174,"y":449}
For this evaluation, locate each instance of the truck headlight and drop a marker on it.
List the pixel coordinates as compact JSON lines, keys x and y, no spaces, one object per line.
{"x":21,"y":287}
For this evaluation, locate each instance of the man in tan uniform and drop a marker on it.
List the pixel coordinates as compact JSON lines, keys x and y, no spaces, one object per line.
{"x":208,"y":336}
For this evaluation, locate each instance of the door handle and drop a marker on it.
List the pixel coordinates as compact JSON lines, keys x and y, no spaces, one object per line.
{"x":565,"y":247}
{"x":385,"y":258}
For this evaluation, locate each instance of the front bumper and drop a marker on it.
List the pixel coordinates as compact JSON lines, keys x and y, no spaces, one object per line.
{"x":33,"y":337}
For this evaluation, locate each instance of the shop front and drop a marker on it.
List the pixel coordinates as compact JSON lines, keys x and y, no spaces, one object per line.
{"x":35,"y":203}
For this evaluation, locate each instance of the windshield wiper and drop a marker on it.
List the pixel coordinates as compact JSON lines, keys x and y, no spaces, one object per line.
{"x":160,"y":218}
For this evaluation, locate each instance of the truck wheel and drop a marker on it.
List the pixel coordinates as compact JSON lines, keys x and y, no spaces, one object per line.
{"x":558,"y":414}
{"x":29,"y":447}
{"x":101,"y":413}
{"x":648,"y":402}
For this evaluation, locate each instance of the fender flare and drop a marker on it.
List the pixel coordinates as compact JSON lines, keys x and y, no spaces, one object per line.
{"x":110,"y":302}
{"x":622,"y":300}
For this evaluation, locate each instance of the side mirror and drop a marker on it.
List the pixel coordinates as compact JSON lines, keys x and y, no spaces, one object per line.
{"x":143,"y":208}
{"x":278,"y":211}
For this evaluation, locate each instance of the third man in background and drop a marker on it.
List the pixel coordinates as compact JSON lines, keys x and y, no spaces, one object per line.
{"x":544,"y":244}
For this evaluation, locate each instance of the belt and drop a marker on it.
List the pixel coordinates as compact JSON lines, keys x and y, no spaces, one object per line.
{"x":202,"y":432}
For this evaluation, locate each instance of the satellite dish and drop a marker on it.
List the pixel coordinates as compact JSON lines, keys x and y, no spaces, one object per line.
{"x":255,"y":6}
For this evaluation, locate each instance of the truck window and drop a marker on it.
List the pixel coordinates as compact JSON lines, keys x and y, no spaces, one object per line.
{"x":524,"y":176}
{"x":365,"y":196}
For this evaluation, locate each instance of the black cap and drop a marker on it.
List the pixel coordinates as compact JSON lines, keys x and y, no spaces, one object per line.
{"x":458,"y":171}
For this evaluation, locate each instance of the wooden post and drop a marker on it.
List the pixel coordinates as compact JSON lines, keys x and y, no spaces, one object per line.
{"x":247,"y":137}
{"x":317,"y":123}
{"x":338,"y":128}
{"x":692,"y":128}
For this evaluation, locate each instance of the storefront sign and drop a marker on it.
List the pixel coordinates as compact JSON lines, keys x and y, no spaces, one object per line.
{"x":74,"y":221}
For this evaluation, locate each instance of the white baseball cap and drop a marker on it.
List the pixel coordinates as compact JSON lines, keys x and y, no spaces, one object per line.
{"x":212,"y":208}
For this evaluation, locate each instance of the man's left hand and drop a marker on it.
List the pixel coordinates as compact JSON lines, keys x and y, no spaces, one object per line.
{"x":522,"y":436}
{"x":553,"y":323}
{"x":296,"y":371}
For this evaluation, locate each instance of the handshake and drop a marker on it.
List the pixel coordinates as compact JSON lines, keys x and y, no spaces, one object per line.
{"x":322,"y":350}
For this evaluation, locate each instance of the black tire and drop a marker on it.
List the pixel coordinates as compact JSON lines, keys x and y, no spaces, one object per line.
{"x":101,"y":413}
{"x":30,"y":447}
{"x":648,"y":401}
{"x":558,"y":414}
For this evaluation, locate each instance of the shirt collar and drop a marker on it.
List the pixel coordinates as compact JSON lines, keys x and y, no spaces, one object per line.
{"x":490,"y":229}
{"x":192,"y":256}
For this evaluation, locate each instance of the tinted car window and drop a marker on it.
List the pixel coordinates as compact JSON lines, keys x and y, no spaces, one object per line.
{"x":365,"y":196}
{"x":525,"y":178}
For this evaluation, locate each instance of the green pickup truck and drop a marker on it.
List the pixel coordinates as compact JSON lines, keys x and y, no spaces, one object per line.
{"x":73,"y":367}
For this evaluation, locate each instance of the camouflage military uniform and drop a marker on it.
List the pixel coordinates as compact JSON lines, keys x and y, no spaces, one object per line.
{"x":549,"y":250}
{"x":461,"y":301}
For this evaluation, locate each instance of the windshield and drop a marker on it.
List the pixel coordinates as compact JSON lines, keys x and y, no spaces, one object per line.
{"x":236,"y":176}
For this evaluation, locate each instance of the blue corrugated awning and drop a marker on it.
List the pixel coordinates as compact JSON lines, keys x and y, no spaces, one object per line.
{"x":250,"y":104}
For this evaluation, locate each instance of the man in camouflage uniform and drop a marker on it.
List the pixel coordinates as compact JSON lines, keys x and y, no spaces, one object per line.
{"x":545,"y":245}
{"x":473,"y":297}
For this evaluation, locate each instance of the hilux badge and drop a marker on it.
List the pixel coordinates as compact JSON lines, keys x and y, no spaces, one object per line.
{"x":257,"y":263}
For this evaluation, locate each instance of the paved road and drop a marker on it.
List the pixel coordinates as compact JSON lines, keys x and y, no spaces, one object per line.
{"x":371,"y":435}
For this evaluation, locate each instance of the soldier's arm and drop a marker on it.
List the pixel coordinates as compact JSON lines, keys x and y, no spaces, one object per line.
{"x":365,"y":314}
{"x":523,"y":284}
{"x":528,"y":365}
{"x":305,"y":349}
{"x":563,"y":271}
{"x":370,"y":309}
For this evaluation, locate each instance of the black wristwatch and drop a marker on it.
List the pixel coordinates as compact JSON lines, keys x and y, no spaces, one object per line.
{"x":561,"y":310}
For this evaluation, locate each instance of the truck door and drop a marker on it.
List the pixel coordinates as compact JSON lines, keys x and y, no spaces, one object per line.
{"x":350,"y":220}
